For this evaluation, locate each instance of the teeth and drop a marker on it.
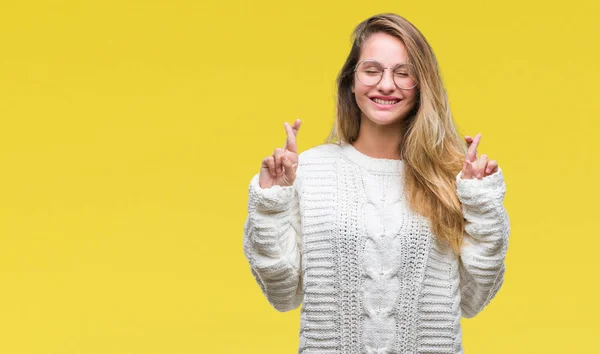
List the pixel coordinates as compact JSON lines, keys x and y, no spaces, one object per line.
{"x":380,"y":101}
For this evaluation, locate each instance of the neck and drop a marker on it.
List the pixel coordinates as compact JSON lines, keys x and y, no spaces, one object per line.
{"x":379,"y":141}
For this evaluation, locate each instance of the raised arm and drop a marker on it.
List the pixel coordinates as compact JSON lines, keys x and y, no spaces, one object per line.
{"x":481,"y":190}
{"x":272,"y":232}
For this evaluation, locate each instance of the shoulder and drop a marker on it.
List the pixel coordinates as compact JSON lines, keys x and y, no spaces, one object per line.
{"x":318,"y":153}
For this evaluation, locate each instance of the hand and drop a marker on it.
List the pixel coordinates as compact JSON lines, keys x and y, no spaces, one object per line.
{"x":473,"y":166}
{"x":280,"y":168}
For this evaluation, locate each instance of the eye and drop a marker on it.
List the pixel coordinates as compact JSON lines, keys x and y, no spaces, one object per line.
{"x":402,"y":71}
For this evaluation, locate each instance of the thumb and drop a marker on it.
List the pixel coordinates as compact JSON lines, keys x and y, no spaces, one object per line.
{"x":290,"y":169}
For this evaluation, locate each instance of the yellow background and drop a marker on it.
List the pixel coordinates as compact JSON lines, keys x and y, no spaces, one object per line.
{"x":130,"y":130}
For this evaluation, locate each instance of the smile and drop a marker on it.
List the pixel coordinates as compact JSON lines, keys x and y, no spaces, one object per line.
{"x":384,"y":102}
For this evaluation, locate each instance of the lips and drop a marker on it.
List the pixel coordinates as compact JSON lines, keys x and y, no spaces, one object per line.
{"x":385,"y":101}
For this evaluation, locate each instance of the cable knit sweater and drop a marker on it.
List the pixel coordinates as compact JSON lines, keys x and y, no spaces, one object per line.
{"x":370,"y":274}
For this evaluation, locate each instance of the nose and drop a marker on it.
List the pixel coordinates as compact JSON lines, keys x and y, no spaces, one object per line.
{"x":387,"y":84}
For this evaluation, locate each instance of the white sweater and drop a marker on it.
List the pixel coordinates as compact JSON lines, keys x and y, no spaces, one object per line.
{"x":370,"y":274}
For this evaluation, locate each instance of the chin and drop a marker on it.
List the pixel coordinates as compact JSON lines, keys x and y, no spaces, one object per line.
{"x":387,"y":119}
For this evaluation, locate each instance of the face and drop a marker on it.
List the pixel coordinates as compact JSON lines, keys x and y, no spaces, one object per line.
{"x":384,"y":103}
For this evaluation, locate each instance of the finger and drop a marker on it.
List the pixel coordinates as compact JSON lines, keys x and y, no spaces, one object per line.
{"x":480,"y":166}
{"x":492,"y":167}
{"x":467,"y":172}
{"x":296,"y":126}
{"x":295,"y":129}
{"x":290,"y":143}
{"x":469,"y":141}
{"x":290,"y":169}
{"x":270,"y":162}
{"x":472,"y":151}
{"x":277,"y":156}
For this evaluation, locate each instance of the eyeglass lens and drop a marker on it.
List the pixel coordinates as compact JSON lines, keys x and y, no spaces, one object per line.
{"x":370,"y":72}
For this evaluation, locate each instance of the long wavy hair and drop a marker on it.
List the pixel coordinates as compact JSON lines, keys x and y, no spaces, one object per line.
{"x":432,"y":150}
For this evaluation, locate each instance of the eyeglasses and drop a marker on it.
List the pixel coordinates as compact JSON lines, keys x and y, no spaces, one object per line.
{"x":369,"y":72}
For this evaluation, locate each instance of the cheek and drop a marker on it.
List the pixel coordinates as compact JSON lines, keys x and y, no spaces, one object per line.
{"x":412,"y":97}
{"x":360,"y":91}
{"x":361,"y":99}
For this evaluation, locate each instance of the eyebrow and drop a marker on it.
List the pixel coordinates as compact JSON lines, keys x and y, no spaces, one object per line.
{"x":391,"y":66}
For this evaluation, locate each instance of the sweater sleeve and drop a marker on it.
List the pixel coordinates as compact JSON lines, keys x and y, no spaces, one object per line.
{"x":483,"y":252}
{"x":272,"y":243}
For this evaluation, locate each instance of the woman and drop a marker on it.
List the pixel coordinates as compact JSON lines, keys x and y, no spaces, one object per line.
{"x":389,"y":236}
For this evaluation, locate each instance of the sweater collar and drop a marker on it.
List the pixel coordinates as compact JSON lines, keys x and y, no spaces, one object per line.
{"x":371,"y":163}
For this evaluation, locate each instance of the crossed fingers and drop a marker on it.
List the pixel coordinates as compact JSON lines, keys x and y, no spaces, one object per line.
{"x":477,"y":167}
{"x":288,"y":154}
{"x":290,"y":142}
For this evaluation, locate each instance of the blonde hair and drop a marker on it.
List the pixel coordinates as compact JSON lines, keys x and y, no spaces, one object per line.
{"x":432,"y":150}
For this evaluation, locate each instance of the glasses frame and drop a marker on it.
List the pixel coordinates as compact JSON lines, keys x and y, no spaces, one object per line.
{"x":382,"y":73}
